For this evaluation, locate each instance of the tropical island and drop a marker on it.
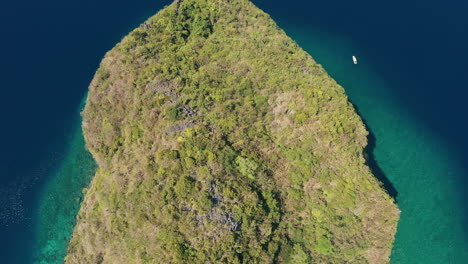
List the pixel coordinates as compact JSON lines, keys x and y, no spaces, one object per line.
{"x":219,"y":140}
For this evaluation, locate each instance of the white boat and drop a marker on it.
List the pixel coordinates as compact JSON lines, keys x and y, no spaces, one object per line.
{"x":354,"y":59}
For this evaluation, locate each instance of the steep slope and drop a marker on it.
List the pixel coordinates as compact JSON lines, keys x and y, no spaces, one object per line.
{"x":219,"y":140}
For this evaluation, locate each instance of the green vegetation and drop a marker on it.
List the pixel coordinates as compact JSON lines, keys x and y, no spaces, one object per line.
{"x":219,"y":140}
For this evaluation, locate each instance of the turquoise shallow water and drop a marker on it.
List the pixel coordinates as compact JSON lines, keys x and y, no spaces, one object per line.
{"x":61,"y":197}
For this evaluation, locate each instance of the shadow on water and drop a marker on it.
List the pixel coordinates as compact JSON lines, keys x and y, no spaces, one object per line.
{"x":374,"y":166}
{"x":372,"y":162}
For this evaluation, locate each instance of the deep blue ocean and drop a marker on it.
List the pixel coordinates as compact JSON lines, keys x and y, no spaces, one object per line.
{"x":410,"y":87}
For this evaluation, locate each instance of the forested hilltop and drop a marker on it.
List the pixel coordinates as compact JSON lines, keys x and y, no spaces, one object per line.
{"x":219,"y":140}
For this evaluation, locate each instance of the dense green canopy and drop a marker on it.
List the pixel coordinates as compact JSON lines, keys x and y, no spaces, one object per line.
{"x":219,"y":140}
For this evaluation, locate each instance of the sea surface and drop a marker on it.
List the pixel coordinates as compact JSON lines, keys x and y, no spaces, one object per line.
{"x":410,"y":86}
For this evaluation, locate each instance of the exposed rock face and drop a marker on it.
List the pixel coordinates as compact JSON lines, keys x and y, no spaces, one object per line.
{"x":219,"y":140}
